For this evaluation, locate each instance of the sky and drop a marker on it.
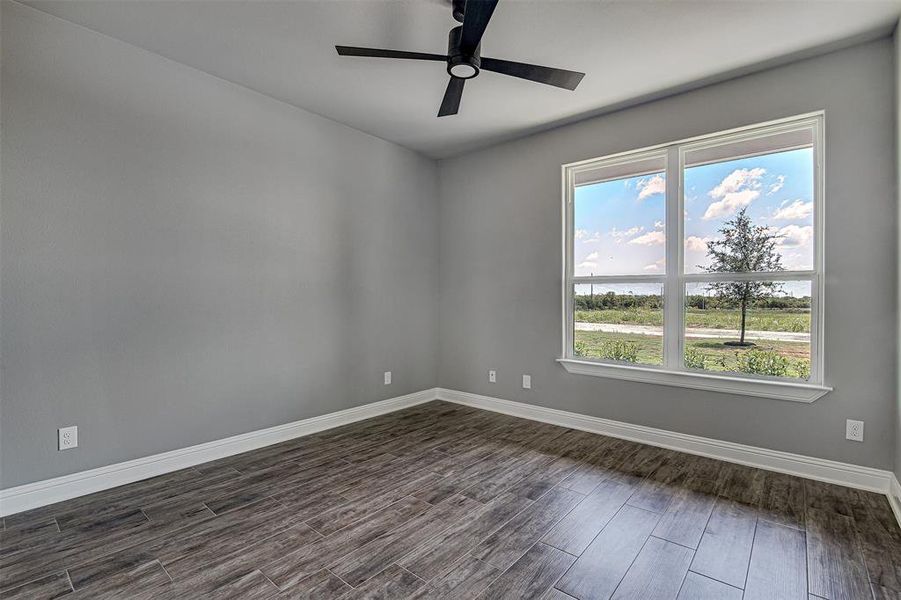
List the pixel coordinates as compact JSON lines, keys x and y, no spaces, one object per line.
{"x":619,"y":225}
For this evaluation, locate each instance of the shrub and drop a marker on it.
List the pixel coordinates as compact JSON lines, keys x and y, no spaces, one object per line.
{"x":580,"y":348}
{"x":802,"y":369}
{"x":620,"y":350}
{"x":762,"y":362}
{"x":695,"y":359}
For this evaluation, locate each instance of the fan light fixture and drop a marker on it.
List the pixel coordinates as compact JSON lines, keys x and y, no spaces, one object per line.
{"x":462,"y":70}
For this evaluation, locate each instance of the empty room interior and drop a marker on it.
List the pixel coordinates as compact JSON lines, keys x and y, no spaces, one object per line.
{"x":450,"y":299}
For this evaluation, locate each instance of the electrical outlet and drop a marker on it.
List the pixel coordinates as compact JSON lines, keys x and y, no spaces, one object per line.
{"x":527,"y":382}
{"x":854,"y":430}
{"x":387,"y":377}
{"x":68,"y":437}
{"x":492,"y":376}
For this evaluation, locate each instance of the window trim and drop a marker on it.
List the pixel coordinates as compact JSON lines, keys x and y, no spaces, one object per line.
{"x":672,"y":372}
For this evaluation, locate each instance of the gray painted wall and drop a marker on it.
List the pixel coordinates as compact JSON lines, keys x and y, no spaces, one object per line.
{"x":897,"y":39}
{"x":184,"y":259}
{"x":501,"y":251}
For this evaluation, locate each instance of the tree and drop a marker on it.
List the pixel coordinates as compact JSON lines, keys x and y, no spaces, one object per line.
{"x":744,"y":248}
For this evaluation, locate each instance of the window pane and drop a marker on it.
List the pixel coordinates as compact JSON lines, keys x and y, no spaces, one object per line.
{"x":741,"y":191}
{"x":618,"y":216}
{"x":619,"y":322}
{"x":776,"y":341}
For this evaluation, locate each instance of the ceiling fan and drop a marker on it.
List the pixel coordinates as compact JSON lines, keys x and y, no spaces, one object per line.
{"x":464,"y":60}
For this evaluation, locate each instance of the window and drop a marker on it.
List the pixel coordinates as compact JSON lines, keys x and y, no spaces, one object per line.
{"x":699,"y":263}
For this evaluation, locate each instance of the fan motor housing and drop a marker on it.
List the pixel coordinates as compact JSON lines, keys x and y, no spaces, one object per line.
{"x":460,"y":65}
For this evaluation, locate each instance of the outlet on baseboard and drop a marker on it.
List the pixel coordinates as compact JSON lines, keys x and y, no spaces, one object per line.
{"x":68,"y":437}
{"x":854,"y":430}
{"x":492,"y":376}
{"x":527,"y":382}
{"x":387,"y":377}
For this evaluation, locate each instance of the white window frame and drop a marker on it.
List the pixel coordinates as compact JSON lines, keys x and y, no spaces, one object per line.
{"x":672,"y":372}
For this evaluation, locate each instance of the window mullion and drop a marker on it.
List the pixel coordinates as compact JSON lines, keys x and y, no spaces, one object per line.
{"x":602,"y":279}
{"x":750,"y":276}
{"x":673,"y":289}
{"x":568,"y":231}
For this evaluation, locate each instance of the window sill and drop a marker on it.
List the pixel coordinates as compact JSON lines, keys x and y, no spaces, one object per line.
{"x":791,"y":391}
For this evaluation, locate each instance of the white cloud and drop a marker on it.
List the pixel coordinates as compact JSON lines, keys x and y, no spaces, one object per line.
{"x":628,"y":232}
{"x":794,"y":236}
{"x":658,"y":224}
{"x":587,"y":237}
{"x":593,"y":256}
{"x":737,"y":190}
{"x":796,"y":261}
{"x":738,"y":180}
{"x":587,"y":265}
{"x":780,"y":183}
{"x":651,"y":238}
{"x":796,"y":210}
{"x":730,"y":204}
{"x":696,"y":244}
{"x":619,"y":234}
{"x":656,"y":265}
{"x":649,"y":187}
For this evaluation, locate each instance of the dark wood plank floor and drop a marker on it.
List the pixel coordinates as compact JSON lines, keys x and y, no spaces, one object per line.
{"x":447,"y":502}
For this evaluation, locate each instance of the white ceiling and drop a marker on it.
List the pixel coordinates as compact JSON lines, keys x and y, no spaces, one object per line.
{"x":629,"y":49}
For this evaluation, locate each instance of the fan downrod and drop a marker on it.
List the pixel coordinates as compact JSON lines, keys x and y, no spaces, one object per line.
{"x":459,"y":8}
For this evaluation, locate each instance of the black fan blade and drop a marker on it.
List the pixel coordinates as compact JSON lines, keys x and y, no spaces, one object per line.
{"x":452,"y":95}
{"x":475,"y":19}
{"x":557,"y":77}
{"x":378,"y":53}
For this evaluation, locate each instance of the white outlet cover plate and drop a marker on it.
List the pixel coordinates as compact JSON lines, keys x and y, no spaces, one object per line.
{"x":854,"y":430}
{"x":492,"y":376}
{"x":526,"y":382}
{"x":68,"y":437}
{"x":387,"y":377}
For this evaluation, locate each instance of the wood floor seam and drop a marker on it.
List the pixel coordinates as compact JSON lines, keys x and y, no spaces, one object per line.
{"x":715,"y":579}
{"x":621,"y":579}
{"x":161,"y":567}
{"x":671,"y":542}
{"x":69,"y":578}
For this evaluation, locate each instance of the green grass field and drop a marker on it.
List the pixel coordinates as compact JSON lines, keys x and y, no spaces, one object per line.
{"x":716,"y":355}
{"x":757,"y":319}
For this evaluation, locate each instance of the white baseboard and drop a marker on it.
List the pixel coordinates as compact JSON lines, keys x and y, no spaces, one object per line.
{"x":49,"y":491}
{"x":41,"y":493}
{"x":865,"y":478}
